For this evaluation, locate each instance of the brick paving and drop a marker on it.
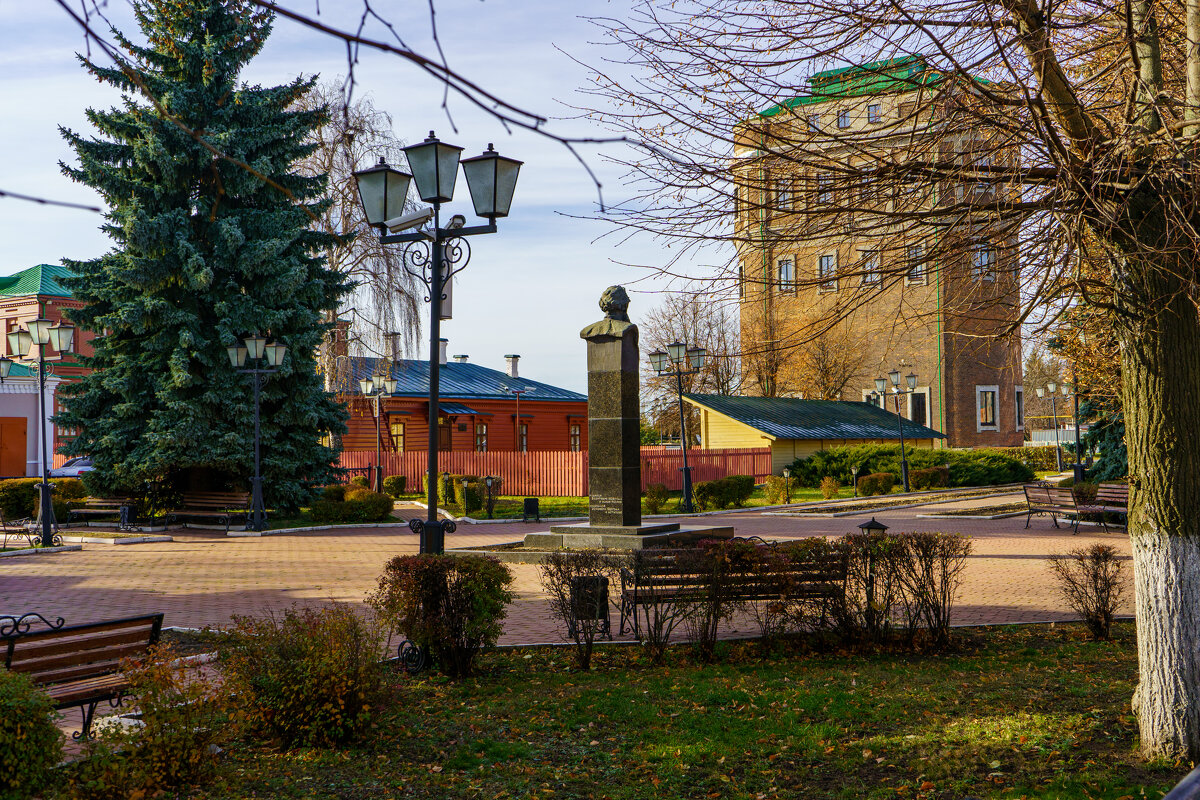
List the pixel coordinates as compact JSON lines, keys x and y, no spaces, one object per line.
{"x":204,"y":578}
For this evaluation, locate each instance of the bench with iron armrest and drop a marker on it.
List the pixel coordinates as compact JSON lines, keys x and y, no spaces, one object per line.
{"x":121,"y":507}
{"x":661,"y":574}
{"x":1053,"y":500}
{"x":27,"y":529}
{"x":80,"y":665}
{"x":1111,"y":498}
{"x":221,"y":506}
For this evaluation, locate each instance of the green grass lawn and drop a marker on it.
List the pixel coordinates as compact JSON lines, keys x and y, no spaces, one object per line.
{"x":1020,"y":712}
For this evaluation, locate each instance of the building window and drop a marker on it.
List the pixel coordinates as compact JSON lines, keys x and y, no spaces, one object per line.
{"x":916,"y":264}
{"x":843,"y":119}
{"x":824,"y":187}
{"x":827,"y":272}
{"x":870,"y":267}
{"x":575,"y":437}
{"x":814,"y":123}
{"x":523,"y":437}
{"x":1019,"y":405}
{"x":874,"y":113}
{"x":786,"y":275}
{"x":983,"y":182}
{"x":985,"y":405}
{"x":396,"y":429}
{"x":983,"y":262}
{"x":783,"y":194}
{"x":918,"y":407}
{"x":480,"y":437}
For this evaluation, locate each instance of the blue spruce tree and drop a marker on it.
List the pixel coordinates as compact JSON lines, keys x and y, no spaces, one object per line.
{"x":214,"y":241}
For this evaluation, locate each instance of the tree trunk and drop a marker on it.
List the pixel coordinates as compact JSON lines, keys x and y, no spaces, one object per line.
{"x":1160,"y":342}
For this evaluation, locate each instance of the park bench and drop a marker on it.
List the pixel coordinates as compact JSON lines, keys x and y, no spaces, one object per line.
{"x":1111,"y":498}
{"x":26,"y":529}
{"x":665,"y":574}
{"x":219,"y":506}
{"x":80,"y":665}
{"x":1053,"y":500}
{"x":121,"y":507}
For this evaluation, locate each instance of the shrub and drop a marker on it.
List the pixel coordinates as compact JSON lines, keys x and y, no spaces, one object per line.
{"x":929,"y":478}
{"x":359,"y":480}
{"x":393,"y":485}
{"x":656,"y":498}
{"x":662,"y":610}
{"x":449,"y":605}
{"x":707,"y":495}
{"x":876,"y":483}
{"x":334,"y":494}
{"x":358,"y":505}
{"x":18,"y":497}
{"x":777,"y":489}
{"x":310,"y":677}
{"x":30,"y":743}
{"x":830,"y":486}
{"x":69,"y":488}
{"x":983,"y":467}
{"x":182,"y":721}
{"x":1092,"y":580}
{"x":567,"y":578}
{"x":1085,"y":493}
{"x":873,"y":588}
{"x":471,"y":497}
{"x":738,"y":489}
{"x":931,"y":573}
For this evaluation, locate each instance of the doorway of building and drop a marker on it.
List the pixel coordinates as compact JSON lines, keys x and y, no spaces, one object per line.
{"x":12,"y":446}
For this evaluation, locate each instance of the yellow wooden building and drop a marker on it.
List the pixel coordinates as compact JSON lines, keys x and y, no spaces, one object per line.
{"x":795,"y":428}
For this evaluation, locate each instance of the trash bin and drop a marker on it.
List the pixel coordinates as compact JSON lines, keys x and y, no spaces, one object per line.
{"x":589,"y":603}
{"x":531,"y":510}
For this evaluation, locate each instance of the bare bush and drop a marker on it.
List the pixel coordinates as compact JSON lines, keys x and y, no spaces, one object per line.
{"x":575,"y":582}
{"x":1093,"y":581}
{"x":660,"y":609}
{"x":930,"y":573}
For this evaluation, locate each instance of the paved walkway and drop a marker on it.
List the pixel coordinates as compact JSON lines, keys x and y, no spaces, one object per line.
{"x":204,"y":578}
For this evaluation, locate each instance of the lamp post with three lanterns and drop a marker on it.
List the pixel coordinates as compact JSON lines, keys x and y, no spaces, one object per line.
{"x":39,"y":333}
{"x":377,"y":386}
{"x":881,"y":387}
{"x":257,"y":350}
{"x":434,"y":255}
{"x":1051,"y":390}
{"x":680,"y":360}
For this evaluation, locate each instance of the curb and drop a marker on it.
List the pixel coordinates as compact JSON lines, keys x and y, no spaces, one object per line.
{"x":257,"y":534}
{"x":41,"y":551}
{"x":117,"y":540}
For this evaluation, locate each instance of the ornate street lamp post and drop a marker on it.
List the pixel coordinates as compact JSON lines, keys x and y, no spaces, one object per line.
{"x":434,"y":255}
{"x":377,"y":386}
{"x":39,"y":333}
{"x":257,"y":350}
{"x":881,"y":387}
{"x":1051,"y":389}
{"x":677,"y":361}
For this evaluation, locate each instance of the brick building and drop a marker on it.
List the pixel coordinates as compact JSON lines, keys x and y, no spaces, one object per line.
{"x":478,"y":408}
{"x":24,"y":296}
{"x":868,"y":262}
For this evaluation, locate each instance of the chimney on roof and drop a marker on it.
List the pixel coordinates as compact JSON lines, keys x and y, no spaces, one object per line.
{"x":512,"y":360}
{"x":461,"y":359}
{"x":442,"y":345}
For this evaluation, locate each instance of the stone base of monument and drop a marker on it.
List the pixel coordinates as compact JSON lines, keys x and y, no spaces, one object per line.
{"x":624,"y":537}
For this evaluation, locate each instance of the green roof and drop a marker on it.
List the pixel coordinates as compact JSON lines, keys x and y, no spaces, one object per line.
{"x":894,"y":75}
{"x":42,"y":279}
{"x":793,"y":418}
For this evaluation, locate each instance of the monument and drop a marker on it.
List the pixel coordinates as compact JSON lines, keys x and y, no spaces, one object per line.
{"x":614,"y":443}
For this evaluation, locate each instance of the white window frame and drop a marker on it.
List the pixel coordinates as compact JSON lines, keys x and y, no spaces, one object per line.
{"x":828,"y":280}
{"x":783,"y":194}
{"x":788,"y":285}
{"x":874,"y":113}
{"x":979,"y":426}
{"x":983,"y":267}
{"x":871,"y":274}
{"x":918,"y":270}
{"x":1019,"y":408}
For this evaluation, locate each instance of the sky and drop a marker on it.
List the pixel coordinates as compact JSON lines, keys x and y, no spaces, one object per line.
{"x":528,"y":289}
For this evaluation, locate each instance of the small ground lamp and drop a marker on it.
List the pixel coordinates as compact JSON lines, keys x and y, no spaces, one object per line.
{"x":787,"y":484}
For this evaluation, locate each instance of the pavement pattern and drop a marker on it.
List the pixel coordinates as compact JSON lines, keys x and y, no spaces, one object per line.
{"x":204,"y":578}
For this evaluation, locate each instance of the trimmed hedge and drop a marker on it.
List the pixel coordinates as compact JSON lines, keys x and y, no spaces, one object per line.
{"x":930,"y":478}
{"x":876,"y":483}
{"x":356,"y":505}
{"x":733,"y":490}
{"x":982,"y":467}
{"x":393,"y":485}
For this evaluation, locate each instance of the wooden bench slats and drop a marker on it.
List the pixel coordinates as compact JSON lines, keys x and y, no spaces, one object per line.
{"x":47,"y":647}
{"x":72,"y":693}
{"x":222,"y":506}
{"x":91,"y":662}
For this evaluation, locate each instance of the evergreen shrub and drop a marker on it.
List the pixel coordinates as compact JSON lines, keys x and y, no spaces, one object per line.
{"x":18,"y":497}
{"x":876,"y":483}
{"x":929,"y":478}
{"x":30,"y":743}
{"x":452,"y":606}
{"x":309,"y":677}
{"x":393,"y":485}
{"x":982,"y":467}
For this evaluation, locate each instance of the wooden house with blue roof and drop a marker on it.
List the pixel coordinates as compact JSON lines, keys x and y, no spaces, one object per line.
{"x":795,"y":428}
{"x":480,"y":409}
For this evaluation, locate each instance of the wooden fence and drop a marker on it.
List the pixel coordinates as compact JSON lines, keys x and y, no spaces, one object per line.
{"x":557,"y":473}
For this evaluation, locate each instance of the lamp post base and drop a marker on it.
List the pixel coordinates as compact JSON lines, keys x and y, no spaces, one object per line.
{"x":904,"y":474}
{"x":685,"y":506}
{"x":433,"y":533}
{"x":1080,"y":472}
{"x":258,"y":512}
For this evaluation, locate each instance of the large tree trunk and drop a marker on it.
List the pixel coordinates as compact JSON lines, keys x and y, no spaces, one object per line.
{"x":1160,"y":342}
